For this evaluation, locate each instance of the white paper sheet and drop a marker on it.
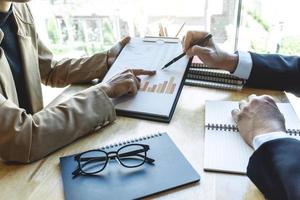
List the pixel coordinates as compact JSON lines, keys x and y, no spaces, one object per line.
{"x":157,"y":93}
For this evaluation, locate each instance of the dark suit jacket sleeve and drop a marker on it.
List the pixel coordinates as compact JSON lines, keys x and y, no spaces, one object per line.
{"x":275,"y":169}
{"x":273,"y":71}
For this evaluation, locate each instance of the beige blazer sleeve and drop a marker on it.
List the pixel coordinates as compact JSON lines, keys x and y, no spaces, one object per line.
{"x":68,"y":71}
{"x":26,"y":138}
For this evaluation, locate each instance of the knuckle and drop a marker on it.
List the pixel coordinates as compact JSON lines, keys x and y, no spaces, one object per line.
{"x":245,"y":109}
{"x":254,"y":101}
{"x":268,"y":98}
{"x":128,"y":75}
{"x":131,"y":81}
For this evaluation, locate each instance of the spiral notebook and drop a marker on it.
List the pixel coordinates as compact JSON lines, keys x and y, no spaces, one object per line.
{"x":224,"y":149}
{"x":117,"y":182}
{"x":202,"y":76}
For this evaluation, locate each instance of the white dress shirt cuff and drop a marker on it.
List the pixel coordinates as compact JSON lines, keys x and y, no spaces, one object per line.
{"x":263,"y":138}
{"x":244,"y":66}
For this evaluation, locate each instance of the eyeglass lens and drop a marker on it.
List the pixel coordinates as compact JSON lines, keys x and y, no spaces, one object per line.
{"x":132,"y":155}
{"x":93,"y":161}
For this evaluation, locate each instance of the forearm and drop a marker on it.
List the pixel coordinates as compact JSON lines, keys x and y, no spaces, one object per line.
{"x":275,"y":72}
{"x":26,"y":138}
{"x":81,"y":70}
{"x":274,"y":168}
{"x":68,"y":71}
{"x":270,"y":71}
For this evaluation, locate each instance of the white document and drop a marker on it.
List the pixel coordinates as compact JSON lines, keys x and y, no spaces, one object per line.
{"x":224,"y":148}
{"x":295,"y":101}
{"x":157,"y":93}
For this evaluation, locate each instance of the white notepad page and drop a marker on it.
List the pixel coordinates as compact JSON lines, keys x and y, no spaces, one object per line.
{"x":157,"y":93}
{"x":225,"y":151}
{"x":295,"y":102}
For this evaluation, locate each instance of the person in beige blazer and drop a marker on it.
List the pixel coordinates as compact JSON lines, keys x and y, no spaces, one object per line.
{"x":29,"y":135}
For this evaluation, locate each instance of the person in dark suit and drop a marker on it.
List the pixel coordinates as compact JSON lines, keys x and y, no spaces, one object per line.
{"x":274,"y":167}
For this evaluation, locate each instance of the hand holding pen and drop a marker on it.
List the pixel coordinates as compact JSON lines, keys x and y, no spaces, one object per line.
{"x":210,"y":54}
{"x":200,"y":42}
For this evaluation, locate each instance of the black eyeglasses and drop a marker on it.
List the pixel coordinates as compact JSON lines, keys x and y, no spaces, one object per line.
{"x":94,"y":161}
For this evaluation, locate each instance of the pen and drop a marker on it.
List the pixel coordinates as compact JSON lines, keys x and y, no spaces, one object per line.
{"x":180,"y":29}
{"x":198,"y":42}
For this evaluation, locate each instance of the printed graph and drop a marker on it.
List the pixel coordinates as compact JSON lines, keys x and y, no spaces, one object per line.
{"x":165,"y":87}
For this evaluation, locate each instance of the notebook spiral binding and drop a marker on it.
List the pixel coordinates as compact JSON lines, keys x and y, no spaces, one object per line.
{"x":225,"y":127}
{"x":215,"y":79}
{"x":130,"y":141}
{"x":208,"y":84}
{"x":214,"y":73}
{"x":293,"y":132}
{"x":200,"y":65}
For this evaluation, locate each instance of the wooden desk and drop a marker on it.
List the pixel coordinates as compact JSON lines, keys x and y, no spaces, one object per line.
{"x":42,"y":179}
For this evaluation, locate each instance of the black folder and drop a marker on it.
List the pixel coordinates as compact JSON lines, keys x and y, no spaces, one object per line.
{"x":170,"y":170}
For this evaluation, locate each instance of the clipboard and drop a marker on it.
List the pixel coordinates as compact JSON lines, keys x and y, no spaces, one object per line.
{"x":158,"y":95}
{"x":162,"y":39}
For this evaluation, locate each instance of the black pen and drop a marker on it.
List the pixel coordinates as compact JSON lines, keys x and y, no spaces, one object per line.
{"x":200,"y":42}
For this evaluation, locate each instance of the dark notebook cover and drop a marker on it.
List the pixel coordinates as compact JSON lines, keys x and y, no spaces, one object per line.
{"x":170,"y":170}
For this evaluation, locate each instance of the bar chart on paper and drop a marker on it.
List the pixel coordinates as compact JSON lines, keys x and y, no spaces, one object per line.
{"x":165,"y":87}
{"x":157,"y":96}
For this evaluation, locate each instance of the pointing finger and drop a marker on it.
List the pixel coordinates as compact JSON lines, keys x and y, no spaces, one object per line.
{"x":138,"y":72}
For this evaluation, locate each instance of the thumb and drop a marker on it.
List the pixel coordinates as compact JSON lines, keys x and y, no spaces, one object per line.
{"x":200,"y":50}
{"x":197,"y":50}
{"x":234,"y":114}
{"x":124,"y":41}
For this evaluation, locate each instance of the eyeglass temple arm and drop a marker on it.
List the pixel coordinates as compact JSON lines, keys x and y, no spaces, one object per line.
{"x":77,"y":171}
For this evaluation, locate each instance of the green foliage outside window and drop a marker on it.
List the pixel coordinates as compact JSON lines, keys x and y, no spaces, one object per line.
{"x":52,"y":31}
{"x":79,"y":45}
{"x":290,"y":45}
{"x":108,"y":34}
{"x":259,"y":20}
